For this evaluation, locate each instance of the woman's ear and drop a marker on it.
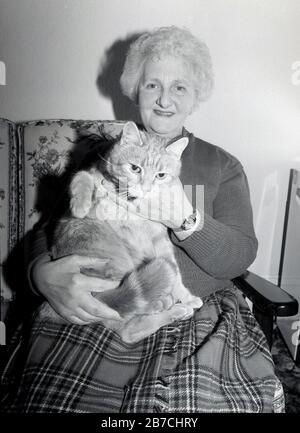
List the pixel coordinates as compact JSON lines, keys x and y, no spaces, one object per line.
{"x":178,"y":146}
{"x":131,"y":134}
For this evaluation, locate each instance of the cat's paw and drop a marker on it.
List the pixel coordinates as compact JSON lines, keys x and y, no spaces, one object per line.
{"x":80,"y":207}
{"x":142,"y":326}
{"x":180,"y":312}
{"x":164,"y":302}
{"x":81,"y":193}
{"x":195,"y":302}
{"x":186,"y":310}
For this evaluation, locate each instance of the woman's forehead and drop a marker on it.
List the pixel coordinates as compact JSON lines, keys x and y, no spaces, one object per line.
{"x":175,"y":68}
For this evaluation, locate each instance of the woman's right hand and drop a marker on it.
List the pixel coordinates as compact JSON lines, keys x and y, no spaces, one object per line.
{"x":69,"y":292}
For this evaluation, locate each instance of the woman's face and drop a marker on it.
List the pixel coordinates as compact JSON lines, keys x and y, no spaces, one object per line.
{"x":166,"y":95}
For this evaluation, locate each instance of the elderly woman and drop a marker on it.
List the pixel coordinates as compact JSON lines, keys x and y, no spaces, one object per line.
{"x":215,"y":361}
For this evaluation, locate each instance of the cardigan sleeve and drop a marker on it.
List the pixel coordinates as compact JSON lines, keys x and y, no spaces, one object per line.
{"x":224,"y":245}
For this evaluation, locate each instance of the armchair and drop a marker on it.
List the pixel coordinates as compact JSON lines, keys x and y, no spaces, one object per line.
{"x":269,"y":301}
{"x":33,"y":156}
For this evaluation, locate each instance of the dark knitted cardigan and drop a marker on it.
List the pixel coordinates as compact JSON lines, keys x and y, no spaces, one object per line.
{"x":225,"y":245}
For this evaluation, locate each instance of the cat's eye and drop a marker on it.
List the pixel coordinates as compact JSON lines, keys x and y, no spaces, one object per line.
{"x":161,"y":176}
{"x":135,"y":168}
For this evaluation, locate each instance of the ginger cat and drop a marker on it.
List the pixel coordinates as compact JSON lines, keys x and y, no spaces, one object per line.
{"x":136,"y":251}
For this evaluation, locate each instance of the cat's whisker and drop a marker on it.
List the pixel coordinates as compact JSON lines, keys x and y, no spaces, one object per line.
{"x":105,"y":160}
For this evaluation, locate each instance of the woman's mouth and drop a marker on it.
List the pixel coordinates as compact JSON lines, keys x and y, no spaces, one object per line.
{"x":163,"y":113}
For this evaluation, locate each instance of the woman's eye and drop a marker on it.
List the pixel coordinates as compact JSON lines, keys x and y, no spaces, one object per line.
{"x":180,"y":89}
{"x":135,"y":168}
{"x":151,"y":86}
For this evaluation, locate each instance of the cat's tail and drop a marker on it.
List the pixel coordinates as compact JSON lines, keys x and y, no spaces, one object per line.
{"x":146,"y":290}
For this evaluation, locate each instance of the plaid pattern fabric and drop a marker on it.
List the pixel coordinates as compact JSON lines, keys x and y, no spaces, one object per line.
{"x":217,"y":361}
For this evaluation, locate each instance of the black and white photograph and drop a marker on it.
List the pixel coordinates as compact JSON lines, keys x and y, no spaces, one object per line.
{"x":149,"y":210}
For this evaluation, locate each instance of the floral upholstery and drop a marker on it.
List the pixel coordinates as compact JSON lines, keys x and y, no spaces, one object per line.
{"x":8,"y":196}
{"x":33,"y":155}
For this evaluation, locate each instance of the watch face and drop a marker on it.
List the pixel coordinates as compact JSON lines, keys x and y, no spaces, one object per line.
{"x":189,"y":222}
{"x":185,"y":225}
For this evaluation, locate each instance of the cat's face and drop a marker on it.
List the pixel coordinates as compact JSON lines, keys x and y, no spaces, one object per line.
{"x":141,"y":162}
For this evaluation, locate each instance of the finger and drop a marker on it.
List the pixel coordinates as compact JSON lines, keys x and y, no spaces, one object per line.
{"x":87,"y":317}
{"x":80,"y":317}
{"x":91,"y":318}
{"x":77,"y":321}
{"x":97,"y":309}
{"x":90,"y":261}
{"x":95,"y":284}
{"x":74,"y":261}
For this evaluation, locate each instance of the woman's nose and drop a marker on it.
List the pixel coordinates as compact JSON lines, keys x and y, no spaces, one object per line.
{"x":164,"y":99}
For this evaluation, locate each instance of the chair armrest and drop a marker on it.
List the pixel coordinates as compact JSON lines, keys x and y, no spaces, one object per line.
{"x":266,"y":296}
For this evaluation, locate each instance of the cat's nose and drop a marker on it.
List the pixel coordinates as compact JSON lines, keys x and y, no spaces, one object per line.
{"x":146,"y":188}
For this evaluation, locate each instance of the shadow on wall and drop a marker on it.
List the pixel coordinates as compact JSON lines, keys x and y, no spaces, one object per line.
{"x":108,"y":81}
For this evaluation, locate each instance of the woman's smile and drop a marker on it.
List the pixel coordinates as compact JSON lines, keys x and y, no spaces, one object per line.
{"x":163,"y":113}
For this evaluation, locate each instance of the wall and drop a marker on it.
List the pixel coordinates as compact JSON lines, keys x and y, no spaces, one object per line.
{"x":54,"y":49}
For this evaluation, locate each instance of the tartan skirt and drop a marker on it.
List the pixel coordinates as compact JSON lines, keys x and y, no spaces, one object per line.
{"x":215,"y":362}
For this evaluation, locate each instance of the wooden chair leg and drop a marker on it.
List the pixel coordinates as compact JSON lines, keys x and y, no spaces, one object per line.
{"x":266,"y":323}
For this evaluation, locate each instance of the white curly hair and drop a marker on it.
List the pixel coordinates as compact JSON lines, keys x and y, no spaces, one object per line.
{"x":172,"y":41}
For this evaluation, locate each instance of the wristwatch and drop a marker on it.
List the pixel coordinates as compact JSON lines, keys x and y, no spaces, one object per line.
{"x":188,"y":223}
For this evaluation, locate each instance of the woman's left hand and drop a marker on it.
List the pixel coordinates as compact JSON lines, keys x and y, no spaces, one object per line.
{"x":168,"y":204}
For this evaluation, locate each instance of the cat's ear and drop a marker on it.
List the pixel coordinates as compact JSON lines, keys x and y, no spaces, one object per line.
{"x":131,"y":134}
{"x":178,"y":146}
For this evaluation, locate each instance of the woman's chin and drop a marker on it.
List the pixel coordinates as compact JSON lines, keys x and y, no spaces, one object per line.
{"x":165,"y":130}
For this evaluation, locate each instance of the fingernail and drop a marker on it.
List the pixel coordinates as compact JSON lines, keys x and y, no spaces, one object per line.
{"x":112,"y":316}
